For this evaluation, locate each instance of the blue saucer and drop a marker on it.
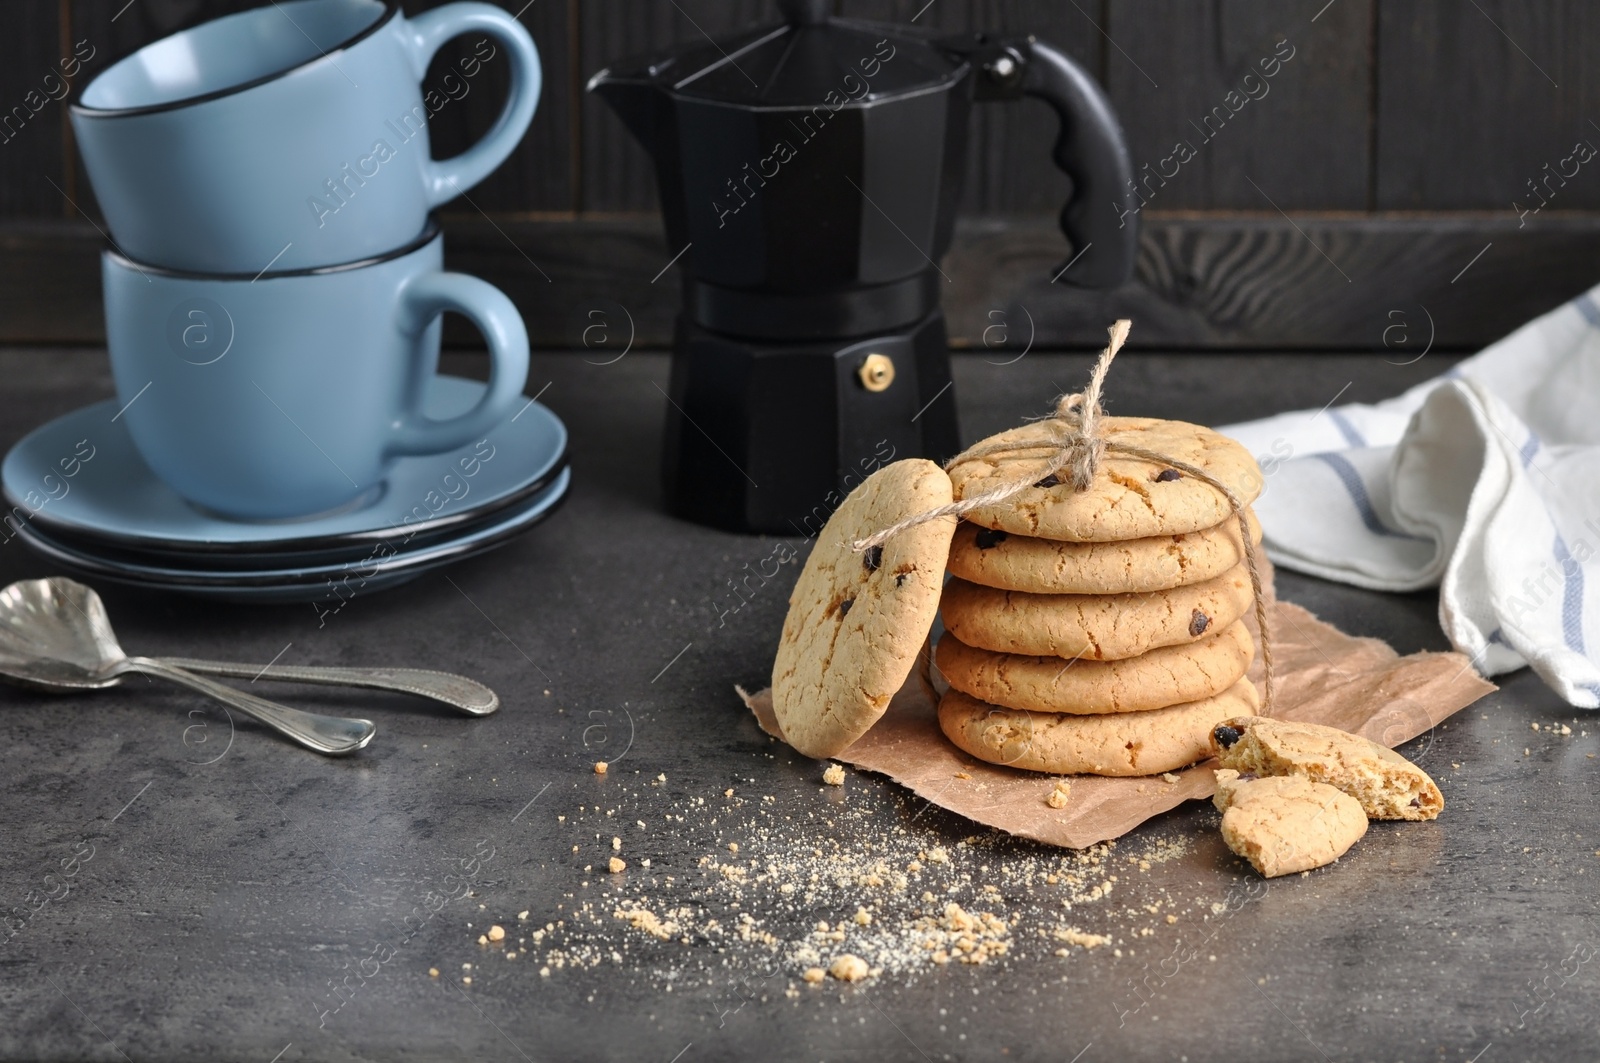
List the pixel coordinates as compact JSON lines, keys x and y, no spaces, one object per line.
{"x":381,"y":568}
{"x":79,"y":480}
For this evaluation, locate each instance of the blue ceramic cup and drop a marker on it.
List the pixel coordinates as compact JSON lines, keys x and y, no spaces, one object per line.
{"x":291,"y":394}
{"x":290,"y":136}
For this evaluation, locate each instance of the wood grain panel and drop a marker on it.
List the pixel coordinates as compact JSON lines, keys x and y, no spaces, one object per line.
{"x":1226,"y":283}
{"x":1191,"y":73}
{"x":539,"y":175}
{"x":33,"y":98}
{"x":617,"y":174}
{"x":1476,"y":100}
{"x":1008,"y":155}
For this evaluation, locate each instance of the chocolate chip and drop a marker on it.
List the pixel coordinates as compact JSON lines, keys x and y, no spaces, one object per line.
{"x":899,"y":581}
{"x":844,"y":607}
{"x":873,"y":558}
{"x":1226,"y":736}
{"x":1198,"y":622}
{"x":1049,"y":481}
{"x":987,"y":537}
{"x":1168,"y":475}
{"x":1246,"y":776}
{"x":1416,"y":802}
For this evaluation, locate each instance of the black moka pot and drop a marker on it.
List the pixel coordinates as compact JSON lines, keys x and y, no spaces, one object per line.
{"x":809,"y":176}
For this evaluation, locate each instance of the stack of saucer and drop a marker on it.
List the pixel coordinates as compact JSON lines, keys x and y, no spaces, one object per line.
{"x":77,"y":491}
{"x":273,"y":294}
{"x":1100,"y":632}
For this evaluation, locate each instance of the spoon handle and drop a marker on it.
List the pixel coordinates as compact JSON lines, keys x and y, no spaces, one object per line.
{"x":457,"y":691}
{"x":333,"y":735}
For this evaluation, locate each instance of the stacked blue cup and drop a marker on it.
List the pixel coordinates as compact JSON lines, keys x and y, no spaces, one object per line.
{"x":275,"y":277}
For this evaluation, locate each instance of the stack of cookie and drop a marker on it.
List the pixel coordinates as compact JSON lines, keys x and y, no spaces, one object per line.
{"x":1100,"y":631}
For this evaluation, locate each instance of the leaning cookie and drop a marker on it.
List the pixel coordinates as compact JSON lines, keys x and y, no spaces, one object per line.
{"x":1053,"y":566}
{"x":857,"y":621}
{"x":1388,"y":785}
{"x":1097,"y":627}
{"x":1138,"y":743}
{"x":1171,"y":675}
{"x":1284,"y":824}
{"x":1129,"y":498}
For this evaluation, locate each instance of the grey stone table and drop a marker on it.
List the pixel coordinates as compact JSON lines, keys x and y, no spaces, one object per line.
{"x":206,"y":891}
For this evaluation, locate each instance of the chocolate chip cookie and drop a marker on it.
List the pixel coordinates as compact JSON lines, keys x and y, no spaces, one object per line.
{"x":1052,"y":566}
{"x":857,"y":621}
{"x":1286,"y":823}
{"x":1167,"y":676}
{"x":1096,"y":627}
{"x":1388,"y":785}
{"x":1135,"y":743}
{"x":1130,"y":498}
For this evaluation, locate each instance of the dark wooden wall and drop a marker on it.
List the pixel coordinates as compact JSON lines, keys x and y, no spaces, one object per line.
{"x":1398,"y":142}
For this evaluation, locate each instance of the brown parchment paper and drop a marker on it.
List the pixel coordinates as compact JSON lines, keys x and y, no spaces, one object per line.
{"x":1323,"y":676}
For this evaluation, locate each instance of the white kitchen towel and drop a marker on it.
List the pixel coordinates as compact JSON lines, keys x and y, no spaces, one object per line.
{"x":1484,"y":481}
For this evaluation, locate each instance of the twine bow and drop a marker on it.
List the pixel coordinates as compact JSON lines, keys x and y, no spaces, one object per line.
{"x":1078,"y":446}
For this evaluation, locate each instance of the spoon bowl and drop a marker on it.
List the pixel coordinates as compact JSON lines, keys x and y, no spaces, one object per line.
{"x":55,"y":635}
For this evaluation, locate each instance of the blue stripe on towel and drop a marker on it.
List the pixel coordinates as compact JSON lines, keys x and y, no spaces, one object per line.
{"x":1586,"y":306}
{"x":1571,"y":597}
{"x":1347,"y":429}
{"x":1529,"y":449}
{"x":1358,"y":494}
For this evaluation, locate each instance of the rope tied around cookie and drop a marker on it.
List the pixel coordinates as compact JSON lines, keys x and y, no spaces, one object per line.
{"x":1080,"y":447}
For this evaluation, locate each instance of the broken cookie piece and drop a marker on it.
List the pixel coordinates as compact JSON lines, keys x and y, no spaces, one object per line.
{"x":849,"y":968}
{"x":1388,"y":785}
{"x":1286,"y":823}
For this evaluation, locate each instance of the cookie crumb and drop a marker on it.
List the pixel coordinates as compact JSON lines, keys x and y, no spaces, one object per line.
{"x":600,"y":767}
{"x":1168,"y":777}
{"x":1074,"y":936}
{"x":433,"y":972}
{"x":863,"y":917}
{"x":1058,"y":796}
{"x":849,"y":968}
{"x":617,"y":865}
{"x":522,"y":916}
{"x":482,"y":940}
{"x":728,"y":792}
{"x":963,"y":775}
{"x":814,"y":975}
{"x":467,"y":980}
{"x":1171,"y":919}
{"x":834,"y":775}
{"x":616,"y":845}
{"x":497,"y":933}
{"x":733,"y":847}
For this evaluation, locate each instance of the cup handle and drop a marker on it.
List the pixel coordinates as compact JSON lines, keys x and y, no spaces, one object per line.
{"x":448,"y":178}
{"x":424,"y":299}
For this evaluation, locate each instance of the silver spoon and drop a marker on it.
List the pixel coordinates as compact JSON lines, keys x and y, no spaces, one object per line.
{"x":457,"y":691}
{"x":55,"y":635}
